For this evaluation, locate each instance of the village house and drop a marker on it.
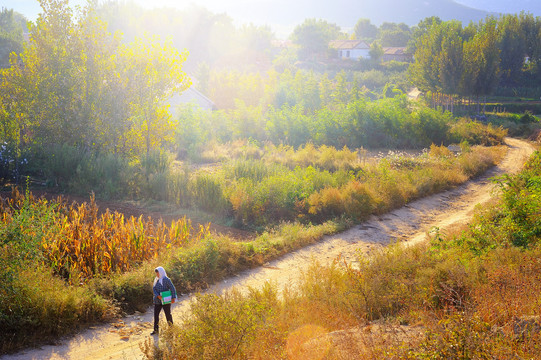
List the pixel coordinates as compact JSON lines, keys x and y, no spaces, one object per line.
{"x":351,"y":49}
{"x":396,"y":54}
{"x":190,"y":96}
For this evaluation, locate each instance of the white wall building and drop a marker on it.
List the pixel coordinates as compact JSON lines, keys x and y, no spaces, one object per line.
{"x":351,"y":49}
{"x":190,"y":96}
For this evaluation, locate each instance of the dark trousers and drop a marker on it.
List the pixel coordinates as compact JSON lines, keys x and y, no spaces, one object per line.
{"x":166,"y":310}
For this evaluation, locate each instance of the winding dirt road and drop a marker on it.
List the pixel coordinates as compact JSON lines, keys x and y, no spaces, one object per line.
{"x":408,"y":224}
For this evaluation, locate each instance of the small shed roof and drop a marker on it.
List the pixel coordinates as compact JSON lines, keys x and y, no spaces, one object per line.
{"x":394,"y":50}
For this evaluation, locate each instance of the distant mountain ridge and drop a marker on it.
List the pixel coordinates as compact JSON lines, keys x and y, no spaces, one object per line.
{"x":505,"y":6}
{"x":345,"y":13}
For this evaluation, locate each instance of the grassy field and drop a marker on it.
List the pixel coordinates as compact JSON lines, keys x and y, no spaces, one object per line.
{"x":91,"y":267}
{"x":470,"y":294}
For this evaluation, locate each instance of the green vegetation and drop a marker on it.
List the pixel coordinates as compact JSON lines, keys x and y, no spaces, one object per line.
{"x":64,"y":267}
{"x":76,"y":85}
{"x":469,"y":294}
{"x":262,"y":187}
{"x":12,"y":25}
{"x":497,"y":55}
{"x":84,"y":110}
{"x":92,"y":265}
{"x":106,"y":129}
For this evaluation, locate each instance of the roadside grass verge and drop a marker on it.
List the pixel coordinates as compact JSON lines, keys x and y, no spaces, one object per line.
{"x":85,"y":257}
{"x":471,"y":293}
{"x":258,"y":193}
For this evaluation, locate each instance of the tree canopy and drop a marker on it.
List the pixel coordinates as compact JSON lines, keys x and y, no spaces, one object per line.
{"x":475,"y":60}
{"x":76,"y":83}
{"x":12,"y":26}
{"x":313,"y":37}
{"x":365,"y":30}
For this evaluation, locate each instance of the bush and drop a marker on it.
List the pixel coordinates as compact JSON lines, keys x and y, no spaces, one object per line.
{"x":516,"y":124}
{"x":476,"y":133}
{"x":37,"y":305}
{"x":219,"y":327}
{"x":207,"y":194}
{"x":12,"y":164}
{"x":82,"y":172}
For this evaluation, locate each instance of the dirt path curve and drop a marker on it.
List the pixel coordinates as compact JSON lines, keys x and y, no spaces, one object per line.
{"x":408,"y":224}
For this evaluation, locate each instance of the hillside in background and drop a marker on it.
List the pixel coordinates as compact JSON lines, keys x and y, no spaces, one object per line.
{"x":505,"y":6}
{"x":345,"y":13}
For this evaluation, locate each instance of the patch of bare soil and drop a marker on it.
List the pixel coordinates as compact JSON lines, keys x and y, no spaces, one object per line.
{"x":408,"y":224}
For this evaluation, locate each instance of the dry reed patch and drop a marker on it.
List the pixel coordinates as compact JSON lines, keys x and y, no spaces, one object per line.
{"x":512,"y":288}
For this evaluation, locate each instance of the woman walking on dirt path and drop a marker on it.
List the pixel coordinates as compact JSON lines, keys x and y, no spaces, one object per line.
{"x":165,"y":294}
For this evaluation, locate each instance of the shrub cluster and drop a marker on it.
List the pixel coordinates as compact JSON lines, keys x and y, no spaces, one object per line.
{"x":260,"y":192}
{"x":386,"y":123}
{"x":260,"y":187}
{"x":518,"y":125}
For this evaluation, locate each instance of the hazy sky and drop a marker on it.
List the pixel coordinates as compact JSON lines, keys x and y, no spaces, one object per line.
{"x":31,"y":8}
{"x":283,"y":15}
{"x":241,"y":11}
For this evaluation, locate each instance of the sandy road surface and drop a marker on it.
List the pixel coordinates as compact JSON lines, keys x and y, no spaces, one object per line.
{"x":408,"y":224}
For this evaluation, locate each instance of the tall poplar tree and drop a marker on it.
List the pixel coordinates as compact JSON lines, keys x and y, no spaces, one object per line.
{"x":438,"y":59}
{"x":513,"y":48}
{"x":481,"y":63}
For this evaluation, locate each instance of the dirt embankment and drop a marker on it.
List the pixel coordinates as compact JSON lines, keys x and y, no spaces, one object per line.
{"x":408,"y":224}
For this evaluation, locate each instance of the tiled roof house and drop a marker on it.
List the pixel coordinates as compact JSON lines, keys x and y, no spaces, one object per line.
{"x":396,"y":53}
{"x":350,"y":49}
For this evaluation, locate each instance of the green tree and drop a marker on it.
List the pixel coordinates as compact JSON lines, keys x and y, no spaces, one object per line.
{"x":75,"y":84}
{"x":450,"y":59}
{"x":12,"y":26}
{"x":153,"y":73}
{"x":341,"y":91}
{"x":424,"y":72}
{"x":203,"y":78}
{"x":52,"y":63}
{"x":365,"y":30}
{"x":422,"y":28}
{"x":513,"y":48}
{"x":394,"y":35}
{"x":439,"y":61}
{"x":14,"y":108}
{"x":306,"y":87}
{"x":481,"y":63}
{"x":256,"y":38}
{"x":313,"y":36}
{"x":531,"y":28}
{"x":376,"y":52}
